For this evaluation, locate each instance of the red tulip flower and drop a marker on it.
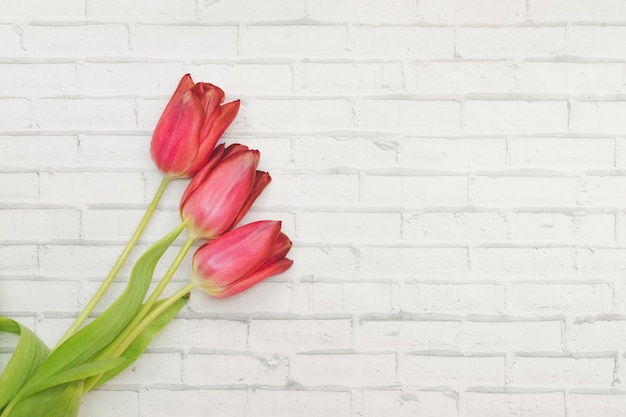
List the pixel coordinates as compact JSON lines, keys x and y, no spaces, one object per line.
{"x":222,"y":192}
{"x":241,"y":258}
{"x":190,"y":126}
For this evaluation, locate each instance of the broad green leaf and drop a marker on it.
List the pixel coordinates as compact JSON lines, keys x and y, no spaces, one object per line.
{"x":77,"y":373}
{"x":142,"y":341}
{"x":98,"y":334}
{"x":59,"y":401}
{"x":29,"y":354}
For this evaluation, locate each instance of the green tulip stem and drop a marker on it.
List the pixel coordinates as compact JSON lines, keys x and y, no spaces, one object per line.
{"x":118,"y":264}
{"x":164,"y":281}
{"x":150,"y":318}
{"x":125,"y":336}
{"x":135,"y":331}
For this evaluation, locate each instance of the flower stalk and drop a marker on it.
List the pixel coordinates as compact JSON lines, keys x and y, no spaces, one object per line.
{"x":118,"y":263}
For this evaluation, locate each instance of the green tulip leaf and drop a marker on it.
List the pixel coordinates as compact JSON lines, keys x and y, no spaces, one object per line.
{"x":77,"y":373}
{"x":94,"y":337}
{"x":142,"y":341}
{"x":29,"y":354}
{"x":59,"y":401}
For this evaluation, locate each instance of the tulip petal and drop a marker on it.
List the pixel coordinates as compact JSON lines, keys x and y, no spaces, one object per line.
{"x":216,"y":157}
{"x":175,"y":140}
{"x":261,"y":180}
{"x":213,"y":129}
{"x":215,"y":204}
{"x":243,"y":284}
{"x":235,"y":254}
{"x":185,"y":84}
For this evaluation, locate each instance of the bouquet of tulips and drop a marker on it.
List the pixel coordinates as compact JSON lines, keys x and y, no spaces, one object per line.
{"x":42,"y":382}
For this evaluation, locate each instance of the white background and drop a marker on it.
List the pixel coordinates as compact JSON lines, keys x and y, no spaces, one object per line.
{"x":452,"y":173}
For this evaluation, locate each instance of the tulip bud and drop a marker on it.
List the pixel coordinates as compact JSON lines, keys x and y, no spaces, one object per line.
{"x":241,"y":258}
{"x":190,"y":126}
{"x":222,"y":192}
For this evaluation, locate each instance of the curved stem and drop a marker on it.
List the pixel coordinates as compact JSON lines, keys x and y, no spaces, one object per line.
{"x":132,"y":334}
{"x":124,"y":336}
{"x":118,"y":264}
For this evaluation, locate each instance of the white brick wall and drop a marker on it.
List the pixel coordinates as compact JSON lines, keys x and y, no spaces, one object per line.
{"x":451,"y":173}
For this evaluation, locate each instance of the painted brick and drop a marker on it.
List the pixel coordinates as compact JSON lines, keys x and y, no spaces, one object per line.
{"x":25,"y":10}
{"x":250,"y":10}
{"x":38,"y":152}
{"x":232,"y":369}
{"x":597,"y":116}
{"x":452,"y":154}
{"x":92,"y":187}
{"x":530,"y":263}
{"x":11,"y":40}
{"x":388,"y":403}
{"x":195,"y":402}
{"x":566,"y":153}
{"x":462,"y":77}
{"x":406,"y":335}
{"x":110,"y":403}
{"x":589,"y":404}
{"x":264,"y":297}
{"x":292,"y":41}
{"x":602,"y":190}
{"x":401,"y":115}
{"x":246,"y":79}
{"x":507,"y":336}
{"x":346,"y":227}
{"x":554,"y":227}
{"x":547,"y":404}
{"x":524,"y":191}
{"x":310,"y":190}
{"x":117,"y":151}
{"x":19,"y":186}
{"x":357,"y":297}
{"x":413,"y":191}
{"x":202,"y":334}
{"x":329,"y":152}
{"x":559,"y":371}
{"x":344,"y":369}
{"x":15,"y":113}
{"x":474,"y":11}
{"x":18,"y":259}
{"x":448,"y":298}
{"x":142,"y":9}
{"x":299,"y":335}
{"x":286,"y":403}
{"x":569,"y":77}
{"x":299,"y":115}
{"x":96,"y":39}
{"x":601,"y":335}
{"x":546,"y":298}
{"x":34,"y":296}
{"x":152,"y":368}
{"x":350,"y":78}
{"x":412,"y":263}
{"x":595,"y":41}
{"x":455,"y":227}
{"x":60,"y":113}
{"x":410,"y":42}
{"x":33,"y":79}
{"x":560,"y":10}
{"x":510,"y":42}
{"x":497,"y":116}
{"x":362,"y":11}
{"x":40,"y":225}
{"x":431,"y":370}
{"x":174,"y":41}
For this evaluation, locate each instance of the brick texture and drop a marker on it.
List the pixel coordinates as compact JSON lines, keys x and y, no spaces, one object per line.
{"x":451,"y":173}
